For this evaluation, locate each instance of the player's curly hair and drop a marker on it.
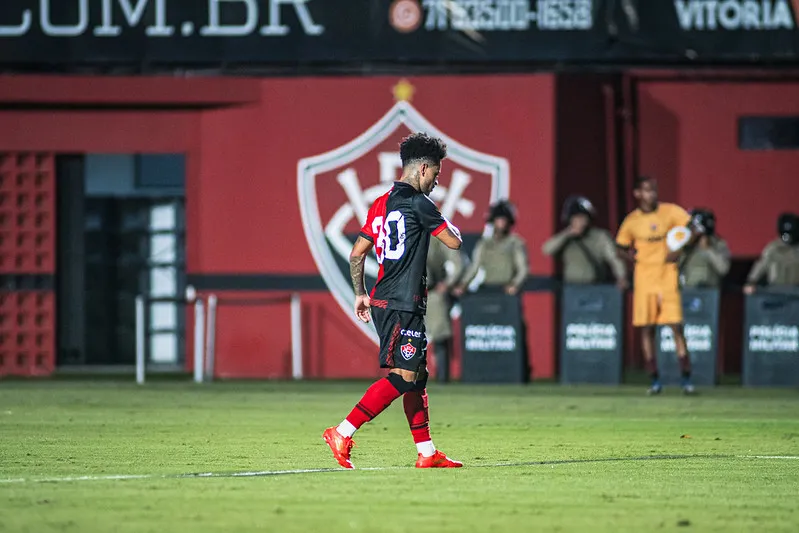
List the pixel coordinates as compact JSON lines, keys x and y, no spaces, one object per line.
{"x":422,"y":147}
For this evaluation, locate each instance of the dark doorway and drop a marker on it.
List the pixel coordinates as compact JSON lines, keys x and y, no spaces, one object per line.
{"x":121,"y":233}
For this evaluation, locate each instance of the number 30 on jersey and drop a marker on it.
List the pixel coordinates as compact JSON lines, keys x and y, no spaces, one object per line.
{"x":390,"y":236}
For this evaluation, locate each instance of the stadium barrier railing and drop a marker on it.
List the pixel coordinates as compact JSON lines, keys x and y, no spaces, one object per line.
{"x":205,"y":327}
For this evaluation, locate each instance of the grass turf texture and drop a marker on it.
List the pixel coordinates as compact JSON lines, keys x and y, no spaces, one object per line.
{"x":599,"y":448}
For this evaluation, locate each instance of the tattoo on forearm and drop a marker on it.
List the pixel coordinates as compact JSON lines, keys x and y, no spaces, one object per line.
{"x":356,"y":273}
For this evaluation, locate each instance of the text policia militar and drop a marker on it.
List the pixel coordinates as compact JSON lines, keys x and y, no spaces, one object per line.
{"x":490,"y":338}
{"x":591,"y":336}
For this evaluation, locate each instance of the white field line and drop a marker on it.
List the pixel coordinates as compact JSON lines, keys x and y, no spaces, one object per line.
{"x":266,"y":473}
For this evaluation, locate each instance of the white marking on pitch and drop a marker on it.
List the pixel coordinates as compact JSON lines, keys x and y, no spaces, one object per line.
{"x":770,"y":456}
{"x":265,"y":473}
{"x":261,"y":473}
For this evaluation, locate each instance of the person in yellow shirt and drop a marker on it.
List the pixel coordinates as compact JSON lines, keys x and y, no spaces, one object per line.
{"x":656,"y":290}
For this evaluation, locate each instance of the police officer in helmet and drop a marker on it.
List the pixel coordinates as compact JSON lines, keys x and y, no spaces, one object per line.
{"x":586,"y":250}
{"x":502,"y":255}
{"x":779,"y":262}
{"x":706,"y":261}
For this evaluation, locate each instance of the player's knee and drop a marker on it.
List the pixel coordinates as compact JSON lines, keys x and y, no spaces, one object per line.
{"x":648,"y":334}
{"x":400,"y":383}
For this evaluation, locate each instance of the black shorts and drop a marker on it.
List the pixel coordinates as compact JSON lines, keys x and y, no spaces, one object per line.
{"x":403,"y":343}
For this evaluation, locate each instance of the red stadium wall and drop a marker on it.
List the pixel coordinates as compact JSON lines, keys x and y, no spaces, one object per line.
{"x":688,"y":138}
{"x":244,"y":139}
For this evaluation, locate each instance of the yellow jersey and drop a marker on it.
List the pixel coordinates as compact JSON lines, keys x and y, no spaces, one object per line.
{"x":646,"y":233}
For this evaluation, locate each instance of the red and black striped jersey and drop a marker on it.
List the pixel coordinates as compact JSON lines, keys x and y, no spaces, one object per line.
{"x":400,"y":224}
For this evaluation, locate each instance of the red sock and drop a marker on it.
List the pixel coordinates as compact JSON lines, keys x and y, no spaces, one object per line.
{"x":377,"y":398}
{"x":652,"y":366}
{"x":415,"y":404}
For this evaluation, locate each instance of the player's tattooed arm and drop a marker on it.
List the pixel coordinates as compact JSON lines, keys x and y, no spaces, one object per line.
{"x":356,"y":272}
{"x":357,"y":264}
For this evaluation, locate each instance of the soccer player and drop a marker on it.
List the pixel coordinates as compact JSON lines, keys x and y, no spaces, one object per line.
{"x":656,"y":291}
{"x":399,"y":225}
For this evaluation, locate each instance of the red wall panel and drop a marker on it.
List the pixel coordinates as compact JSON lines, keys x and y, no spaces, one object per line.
{"x":27,"y":246}
{"x":688,"y":138}
{"x":98,"y":131}
{"x":128,"y":91}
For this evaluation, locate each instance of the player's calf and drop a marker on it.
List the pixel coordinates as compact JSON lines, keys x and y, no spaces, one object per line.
{"x":377,"y":398}
{"x":415,"y":403}
{"x":417,"y":412}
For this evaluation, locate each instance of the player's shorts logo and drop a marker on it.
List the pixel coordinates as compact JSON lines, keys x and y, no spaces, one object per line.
{"x":405,"y":15}
{"x":408,"y":351}
{"x":337,"y":187}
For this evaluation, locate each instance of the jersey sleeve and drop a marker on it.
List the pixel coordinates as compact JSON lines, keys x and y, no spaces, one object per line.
{"x":625,"y":236}
{"x":679,"y":216}
{"x":429,"y":216}
{"x":368,"y":230}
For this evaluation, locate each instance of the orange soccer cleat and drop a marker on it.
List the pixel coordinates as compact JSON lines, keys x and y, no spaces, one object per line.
{"x":437,"y":460}
{"x":340,"y":446}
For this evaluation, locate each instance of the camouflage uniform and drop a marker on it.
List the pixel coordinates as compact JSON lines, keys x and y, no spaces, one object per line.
{"x":504,"y":261}
{"x":779,"y":263}
{"x":585,"y":258}
{"x":437,"y":320}
{"x":705,"y":267}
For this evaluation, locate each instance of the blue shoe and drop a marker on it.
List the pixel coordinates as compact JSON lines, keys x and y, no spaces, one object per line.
{"x":656,"y":388}
{"x":687,"y":387}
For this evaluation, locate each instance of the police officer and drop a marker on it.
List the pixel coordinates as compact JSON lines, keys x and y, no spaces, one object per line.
{"x":444,"y":269}
{"x":707,"y":261}
{"x":502,"y":256}
{"x":779,"y":262}
{"x":586,"y":250}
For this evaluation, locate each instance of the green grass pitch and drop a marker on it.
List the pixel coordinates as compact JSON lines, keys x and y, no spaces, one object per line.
{"x":537,"y":458}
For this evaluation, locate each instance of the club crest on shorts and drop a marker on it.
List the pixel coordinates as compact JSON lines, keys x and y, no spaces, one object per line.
{"x":337,"y":187}
{"x":408,"y":351}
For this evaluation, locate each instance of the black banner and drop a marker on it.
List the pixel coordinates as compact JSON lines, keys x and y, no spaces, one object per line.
{"x":493,"y":338}
{"x":701,"y":316}
{"x":771,"y":339}
{"x":713,"y":30}
{"x":591,"y":334}
{"x":273,"y":31}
